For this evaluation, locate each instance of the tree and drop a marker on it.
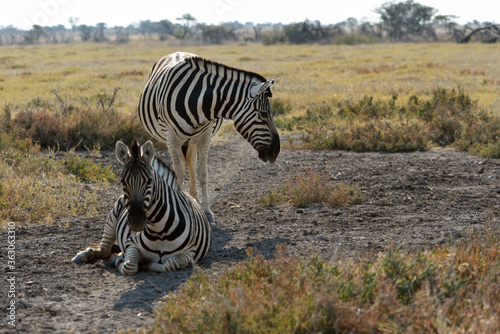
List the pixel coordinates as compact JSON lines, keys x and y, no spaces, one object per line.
{"x":12,"y":35}
{"x":165,"y":28}
{"x":403,"y":19}
{"x":188,"y":21}
{"x":352,"y":23}
{"x":35,"y":34}
{"x":146,"y":28}
{"x":217,"y":34}
{"x":99,"y":36}
{"x":122,"y":34}
{"x":85,"y":32}
{"x":73,"y":21}
{"x":447,"y":22}
{"x":489,"y":33}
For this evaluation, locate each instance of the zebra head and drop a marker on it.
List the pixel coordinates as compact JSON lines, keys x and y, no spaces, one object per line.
{"x":136,"y":178}
{"x":257,"y":124}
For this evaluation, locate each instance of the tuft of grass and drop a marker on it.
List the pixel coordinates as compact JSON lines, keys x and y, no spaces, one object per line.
{"x":452,"y":288}
{"x":309,"y":187}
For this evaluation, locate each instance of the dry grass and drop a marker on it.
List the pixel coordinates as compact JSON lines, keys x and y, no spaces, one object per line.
{"x":37,"y":187}
{"x":41,"y":189}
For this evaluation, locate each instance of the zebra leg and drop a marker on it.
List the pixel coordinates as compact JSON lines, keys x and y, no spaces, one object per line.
{"x":176,"y":262}
{"x":191,"y":164}
{"x":178,"y":162}
{"x":108,"y":238}
{"x":128,"y":264}
{"x":203,"y":146}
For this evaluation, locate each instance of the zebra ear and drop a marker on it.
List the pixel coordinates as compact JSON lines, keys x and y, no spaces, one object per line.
{"x":148,"y":151}
{"x":122,"y":152}
{"x":256,"y":90}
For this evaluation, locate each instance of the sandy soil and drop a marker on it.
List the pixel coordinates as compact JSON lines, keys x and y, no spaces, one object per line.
{"x":416,"y":200}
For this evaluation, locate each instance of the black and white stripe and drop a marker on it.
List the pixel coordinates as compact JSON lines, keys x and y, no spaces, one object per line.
{"x":153,"y":222}
{"x":187,"y":97}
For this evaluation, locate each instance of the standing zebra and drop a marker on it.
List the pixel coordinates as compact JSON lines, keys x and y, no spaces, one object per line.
{"x":153,"y":222}
{"x":184,"y":102}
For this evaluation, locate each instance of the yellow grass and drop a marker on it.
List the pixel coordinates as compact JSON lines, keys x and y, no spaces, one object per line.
{"x":305,"y":75}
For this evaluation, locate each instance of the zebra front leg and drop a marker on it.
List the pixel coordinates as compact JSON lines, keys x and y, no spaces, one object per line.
{"x":203,"y":146}
{"x":108,"y":238}
{"x":128,"y":264}
{"x":176,"y":262}
{"x":178,"y":160}
{"x":191,"y":164}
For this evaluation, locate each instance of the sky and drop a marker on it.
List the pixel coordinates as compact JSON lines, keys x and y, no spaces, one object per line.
{"x":25,"y":13}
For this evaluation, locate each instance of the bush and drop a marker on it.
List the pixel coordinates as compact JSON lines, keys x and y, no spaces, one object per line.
{"x":275,"y":36}
{"x":447,"y":118}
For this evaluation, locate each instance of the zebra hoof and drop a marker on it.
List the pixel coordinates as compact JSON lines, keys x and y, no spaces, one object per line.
{"x":80,"y":258}
{"x":210,"y":218}
{"x":116,"y":260}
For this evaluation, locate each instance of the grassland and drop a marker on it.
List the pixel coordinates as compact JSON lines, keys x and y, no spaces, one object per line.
{"x":315,"y":85}
{"x":305,"y":76}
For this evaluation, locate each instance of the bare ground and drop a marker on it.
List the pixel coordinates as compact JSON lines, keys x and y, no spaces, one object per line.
{"x":414,"y":200}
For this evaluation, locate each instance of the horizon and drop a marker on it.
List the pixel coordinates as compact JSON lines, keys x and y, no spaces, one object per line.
{"x":58,"y":12}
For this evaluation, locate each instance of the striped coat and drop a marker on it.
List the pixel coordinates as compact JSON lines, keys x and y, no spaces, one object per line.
{"x":187,"y":97}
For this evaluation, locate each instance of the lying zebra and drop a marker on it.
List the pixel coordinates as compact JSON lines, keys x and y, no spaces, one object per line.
{"x":154,"y":222}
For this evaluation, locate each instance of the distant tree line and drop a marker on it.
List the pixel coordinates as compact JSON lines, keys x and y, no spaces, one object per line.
{"x":406,"y":21}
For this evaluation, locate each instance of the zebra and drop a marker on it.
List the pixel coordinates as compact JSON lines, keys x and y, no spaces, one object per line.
{"x":185,"y":100}
{"x":154,"y":223}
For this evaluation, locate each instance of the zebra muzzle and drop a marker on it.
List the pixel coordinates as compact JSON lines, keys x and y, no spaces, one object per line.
{"x":271,"y":152}
{"x":136,"y":216}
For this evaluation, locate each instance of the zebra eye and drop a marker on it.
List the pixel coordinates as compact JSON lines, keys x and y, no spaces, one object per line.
{"x":264,"y":114}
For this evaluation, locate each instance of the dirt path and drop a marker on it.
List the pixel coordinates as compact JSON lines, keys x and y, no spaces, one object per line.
{"x":416,"y":200}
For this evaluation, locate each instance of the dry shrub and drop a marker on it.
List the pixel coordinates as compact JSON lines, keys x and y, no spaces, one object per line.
{"x":76,"y":127}
{"x":310,"y":187}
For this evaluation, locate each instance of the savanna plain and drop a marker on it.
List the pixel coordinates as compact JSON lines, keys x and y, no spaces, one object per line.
{"x":381,"y":214}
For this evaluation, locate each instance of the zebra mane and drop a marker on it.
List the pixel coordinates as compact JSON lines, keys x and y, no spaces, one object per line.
{"x":213,"y":67}
{"x":165,"y":172}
